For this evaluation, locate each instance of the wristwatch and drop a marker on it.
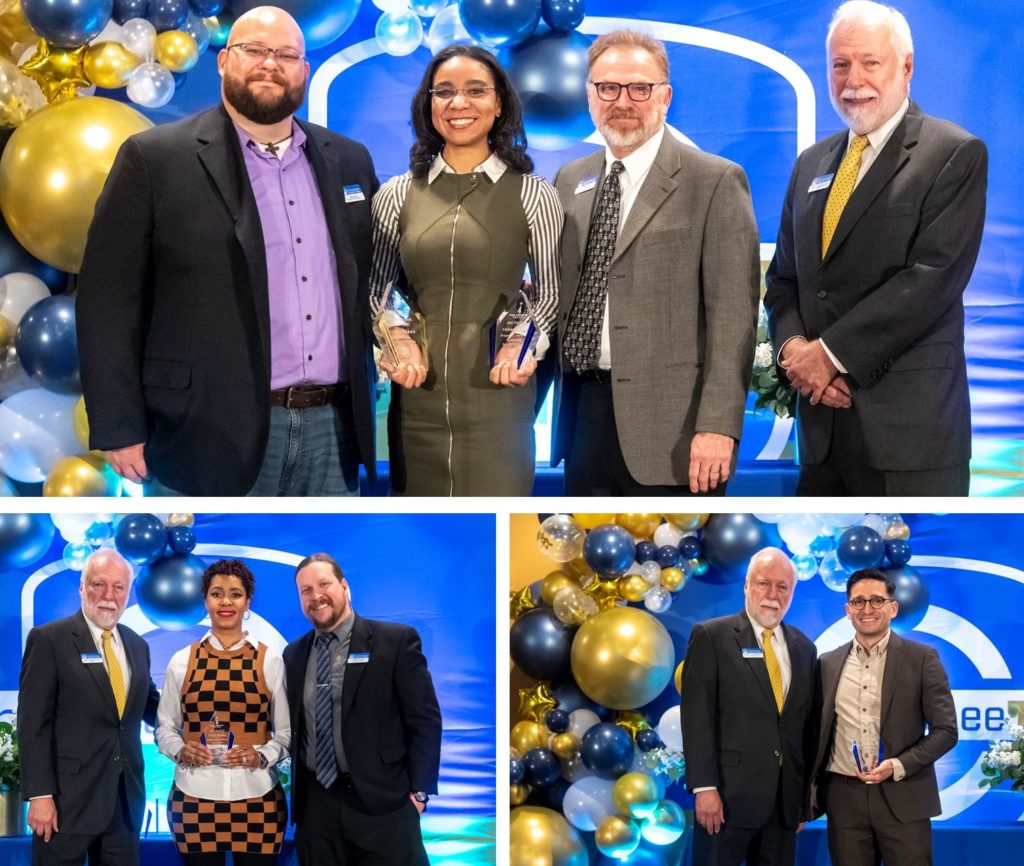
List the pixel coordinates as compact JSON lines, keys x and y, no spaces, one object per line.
{"x":421,"y":797}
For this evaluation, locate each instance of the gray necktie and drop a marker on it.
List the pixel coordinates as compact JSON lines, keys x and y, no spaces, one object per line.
{"x":326,"y":764}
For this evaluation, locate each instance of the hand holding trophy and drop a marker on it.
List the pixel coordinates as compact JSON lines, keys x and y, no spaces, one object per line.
{"x":513,"y":338}
{"x":403,"y":343}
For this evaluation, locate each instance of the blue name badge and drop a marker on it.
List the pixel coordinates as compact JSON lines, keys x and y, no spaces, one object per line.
{"x":358,"y":658}
{"x":92,"y":659}
{"x":353,"y":193}
{"x":752,"y":652}
{"x":823,"y":182}
{"x":588,"y":183}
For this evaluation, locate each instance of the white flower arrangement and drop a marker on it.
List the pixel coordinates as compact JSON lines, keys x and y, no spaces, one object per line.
{"x":1004,"y":758}
{"x":764,"y":381}
{"x":10,"y":765}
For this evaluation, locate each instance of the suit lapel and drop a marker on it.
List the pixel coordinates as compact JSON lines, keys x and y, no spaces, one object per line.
{"x":831,"y":669}
{"x":583,"y":203}
{"x":361,"y":642}
{"x":745,"y":639}
{"x":296,"y":677}
{"x":894,"y":656}
{"x":659,"y":184}
{"x":816,"y":201}
{"x":797,"y":663}
{"x":84,"y":644}
{"x":139,"y":679}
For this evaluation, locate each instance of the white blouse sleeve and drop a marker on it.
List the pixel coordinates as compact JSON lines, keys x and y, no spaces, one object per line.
{"x":386,"y":209}
{"x":544,"y":217}
{"x":168,"y":712}
{"x":276,"y":749}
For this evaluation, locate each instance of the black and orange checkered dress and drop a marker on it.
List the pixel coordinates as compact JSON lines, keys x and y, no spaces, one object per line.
{"x":231,"y":684}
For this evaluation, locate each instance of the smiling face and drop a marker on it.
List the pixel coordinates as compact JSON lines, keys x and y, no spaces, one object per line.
{"x":324,"y":598}
{"x":769,"y":588}
{"x":464,"y":121}
{"x":226,"y":602}
{"x":106,"y":583}
{"x":869,"y":623}
{"x":626,"y":124}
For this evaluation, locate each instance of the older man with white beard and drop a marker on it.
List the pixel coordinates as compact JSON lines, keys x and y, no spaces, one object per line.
{"x":660,"y":281}
{"x":878,"y":238}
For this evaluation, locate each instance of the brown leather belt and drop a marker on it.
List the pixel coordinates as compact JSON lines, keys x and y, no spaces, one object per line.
{"x":307,"y":396}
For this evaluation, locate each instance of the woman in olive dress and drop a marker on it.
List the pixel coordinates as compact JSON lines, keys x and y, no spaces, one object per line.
{"x":456,"y":233}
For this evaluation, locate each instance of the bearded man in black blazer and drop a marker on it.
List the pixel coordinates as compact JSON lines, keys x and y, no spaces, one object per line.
{"x":223,"y":307}
{"x":746,"y":715}
{"x":879,"y":234}
{"x":366,"y":729}
{"x":83,"y":694}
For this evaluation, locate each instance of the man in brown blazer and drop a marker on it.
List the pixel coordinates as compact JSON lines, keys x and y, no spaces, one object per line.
{"x":660,"y":281}
{"x":891,"y":697}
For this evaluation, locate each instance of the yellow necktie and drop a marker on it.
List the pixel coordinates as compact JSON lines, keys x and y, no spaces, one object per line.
{"x":842,"y":188}
{"x":116,"y":676}
{"x":772,"y":663}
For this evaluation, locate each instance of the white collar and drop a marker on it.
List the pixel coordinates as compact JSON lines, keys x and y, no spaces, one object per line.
{"x":639,"y":162}
{"x":493,"y":167}
{"x":758,"y":628}
{"x":215,"y":641}
{"x":97,"y":631}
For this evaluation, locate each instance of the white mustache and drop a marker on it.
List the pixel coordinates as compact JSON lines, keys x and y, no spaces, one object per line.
{"x":858,"y":93}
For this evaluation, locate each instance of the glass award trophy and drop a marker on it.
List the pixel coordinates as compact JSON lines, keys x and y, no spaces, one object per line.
{"x":394,"y":325}
{"x":868,"y":754}
{"x":218,"y":738}
{"x":515,"y":332}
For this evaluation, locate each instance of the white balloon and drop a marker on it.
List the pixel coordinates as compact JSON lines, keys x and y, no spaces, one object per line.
{"x":581,"y":721}
{"x":18,"y":292}
{"x":667,"y":534}
{"x":798,"y":531}
{"x":391,"y":5}
{"x":447,"y":29}
{"x":876,"y":522}
{"x":72,"y":526}
{"x":651,"y":571}
{"x":399,"y":33}
{"x":139,"y":36}
{"x":151,"y":85}
{"x":658,"y":600}
{"x":670,"y":729}
{"x":35,"y":432}
{"x":839,"y":521}
{"x":588,"y":801}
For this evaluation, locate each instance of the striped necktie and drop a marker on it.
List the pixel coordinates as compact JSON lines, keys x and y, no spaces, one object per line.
{"x":326,"y":764}
{"x":772,"y":663}
{"x":115,"y":673}
{"x":842,"y":188}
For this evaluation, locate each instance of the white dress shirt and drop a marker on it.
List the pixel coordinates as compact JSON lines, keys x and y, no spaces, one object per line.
{"x":116,"y":644}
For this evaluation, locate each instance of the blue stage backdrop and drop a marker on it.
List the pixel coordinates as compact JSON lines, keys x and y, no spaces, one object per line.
{"x":433,"y":572}
{"x":749,"y":84}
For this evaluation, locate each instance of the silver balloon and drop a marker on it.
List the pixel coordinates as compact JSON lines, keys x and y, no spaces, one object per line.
{"x":561,"y":538}
{"x":139,"y":36}
{"x":151,"y":85}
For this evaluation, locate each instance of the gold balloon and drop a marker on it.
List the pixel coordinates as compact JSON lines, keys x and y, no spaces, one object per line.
{"x":15,"y":31}
{"x":82,"y":475}
{"x":622,"y":658}
{"x":604,"y":592}
{"x":177,"y":50}
{"x":527,"y":735}
{"x":633,"y":587}
{"x":8,"y":330}
{"x":687,"y":521}
{"x":53,"y":169}
{"x":552,"y":583}
{"x":542,"y":837}
{"x":678,"y":678}
{"x":181,"y":519}
{"x":58,"y":71}
{"x":517,"y":793}
{"x":80,"y":422}
{"x":897,"y":531}
{"x":631,"y":721}
{"x":616,"y":837}
{"x":519,"y":602}
{"x":19,"y":94}
{"x":535,"y":701}
{"x":589,"y":521}
{"x":110,"y":64}
{"x":673,"y":579}
{"x":578,"y":568}
{"x":565,"y":745}
{"x":639,"y":525}
{"x":636,"y":795}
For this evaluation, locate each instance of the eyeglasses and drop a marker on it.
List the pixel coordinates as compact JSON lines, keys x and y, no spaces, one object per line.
{"x":639,"y":91}
{"x":259,"y":53}
{"x":446,"y":93}
{"x":875,"y":601}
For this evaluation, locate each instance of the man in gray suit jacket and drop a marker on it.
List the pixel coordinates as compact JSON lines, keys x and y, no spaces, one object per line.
{"x":660,"y":281}
{"x":886,"y":716}
{"x":878,"y":238}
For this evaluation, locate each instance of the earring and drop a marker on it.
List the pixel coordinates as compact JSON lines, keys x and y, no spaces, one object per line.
{"x":248,"y":613}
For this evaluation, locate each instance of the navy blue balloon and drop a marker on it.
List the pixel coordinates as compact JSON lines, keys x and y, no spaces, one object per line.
{"x":48,"y":345}
{"x":729,"y":542}
{"x":564,"y":15}
{"x":24,"y":538}
{"x":540,"y":644}
{"x":206,"y":8}
{"x":516,"y":771}
{"x":181,"y":539}
{"x":607,"y":750}
{"x":646,"y":551}
{"x":860,"y":547}
{"x":897,"y":551}
{"x":668,"y":556}
{"x":542,"y":767}
{"x":570,"y":697}
{"x":508,"y":23}
{"x":126,"y":10}
{"x":557,"y":721}
{"x":549,"y":796}
{"x":140,"y":538}
{"x":549,"y":72}
{"x":168,"y":14}
{"x":68,"y":23}
{"x":690,"y":547}
{"x":169,"y":591}
{"x":14,"y":258}
{"x":912,"y":594}
{"x":609,"y":549}
{"x":321,"y":21}
{"x":647,"y":739}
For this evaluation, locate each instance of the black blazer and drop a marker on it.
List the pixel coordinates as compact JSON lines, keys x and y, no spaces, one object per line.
{"x":72,"y":743}
{"x":732,"y":729}
{"x":391,"y":722}
{"x":888,"y":297}
{"x":173,"y":308}
{"x":918,"y":725}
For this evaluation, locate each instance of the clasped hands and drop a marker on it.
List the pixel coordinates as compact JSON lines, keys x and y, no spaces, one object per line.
{"x":194,"y":754}
{"x":411,"y":372}
{"x":810,"y":370}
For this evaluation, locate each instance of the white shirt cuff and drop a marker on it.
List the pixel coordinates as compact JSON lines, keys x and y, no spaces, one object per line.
{"x":832,"y":357}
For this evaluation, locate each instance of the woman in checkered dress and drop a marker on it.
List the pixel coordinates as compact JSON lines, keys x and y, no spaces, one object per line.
{"x":226,"y":797}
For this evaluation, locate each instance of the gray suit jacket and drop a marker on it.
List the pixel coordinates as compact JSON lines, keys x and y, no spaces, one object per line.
{"x":682,"y":295}
{"x":887,"y":297}
{"x":915,"y":694}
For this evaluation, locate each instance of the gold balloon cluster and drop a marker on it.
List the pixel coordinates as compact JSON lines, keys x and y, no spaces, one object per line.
{"x":81,"y":475}
{"x":535,"y":701}
{"x":542,"y":837}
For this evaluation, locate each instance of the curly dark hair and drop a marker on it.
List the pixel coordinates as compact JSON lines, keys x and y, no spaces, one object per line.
{"x":229,"y":568}
{"x":507,"y":137}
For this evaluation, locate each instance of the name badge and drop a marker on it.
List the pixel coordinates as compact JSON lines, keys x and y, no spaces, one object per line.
{"x":588,"y":183}
{"x":92,"y":659}
{"x":752,"y":652}
{"x":353,"y":193}
{"x":823,"y":182}
{"x":358,"y":658}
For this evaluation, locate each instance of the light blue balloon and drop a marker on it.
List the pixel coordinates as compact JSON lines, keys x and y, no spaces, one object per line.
{"x":195,"y":27}
{"x":447,"y":29}
{"x":806,"y":566}
{"x":833,"y":575}
{"x":98,"y":532}
{"x":399,"y":33}
{"x":823,"y":544}
{"x":428,"y":8}
{"x":75,"y":555}
{"x":588,"y":801}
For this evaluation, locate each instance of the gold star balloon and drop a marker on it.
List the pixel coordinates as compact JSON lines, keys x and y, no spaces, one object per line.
{"x":604,"y":592}
{"x":632,"y":721}
{"x":535,"y":701}
{"x":57,"y":71}
{"x":520,"y":602}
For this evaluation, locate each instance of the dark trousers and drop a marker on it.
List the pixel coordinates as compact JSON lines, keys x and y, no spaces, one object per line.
{"x":862,"y":830}
{"x":117,"y":845}
{"x":772,"y":844}
{"x":595,"y":465}
{"x":219,"y":858}
{"x":338,"y":829}
{"x":845,"y":471}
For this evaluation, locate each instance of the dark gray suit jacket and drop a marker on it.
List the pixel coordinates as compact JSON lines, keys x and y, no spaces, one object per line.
{"x":915,"y":694}
{"x":887,"y":298}
{"x":682,"y":301}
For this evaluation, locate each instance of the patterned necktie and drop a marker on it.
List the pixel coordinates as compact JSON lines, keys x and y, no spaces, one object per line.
{"x":583,"y":334}
{"x":115,"y":674}
{"x":326,"y":765}
{"x":772,"y":663}
{"x":842,"y":188}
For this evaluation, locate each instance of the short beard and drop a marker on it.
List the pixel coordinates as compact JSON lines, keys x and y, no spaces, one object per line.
{"x":634,"y":138}
{"x":263,"y":112}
